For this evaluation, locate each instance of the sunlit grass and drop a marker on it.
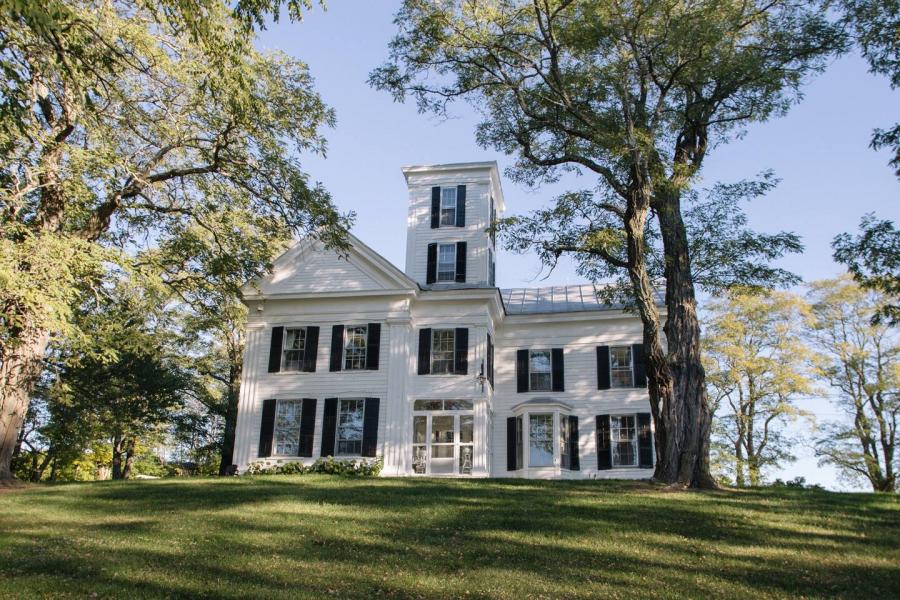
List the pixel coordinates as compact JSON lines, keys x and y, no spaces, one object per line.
{"x":319,"y":536}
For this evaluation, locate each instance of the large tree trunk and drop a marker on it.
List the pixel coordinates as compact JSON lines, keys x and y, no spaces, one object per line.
{"x":19,"y":371}
{"x":129,"y":458}
{"x":684,"y":416}
{"x":117,"y":448}
{"x":231,"y":410}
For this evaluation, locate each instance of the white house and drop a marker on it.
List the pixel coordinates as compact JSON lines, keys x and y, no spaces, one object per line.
{"x":434,"y":368}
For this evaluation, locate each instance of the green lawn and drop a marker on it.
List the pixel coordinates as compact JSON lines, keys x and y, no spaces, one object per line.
{"x":319,"y":536}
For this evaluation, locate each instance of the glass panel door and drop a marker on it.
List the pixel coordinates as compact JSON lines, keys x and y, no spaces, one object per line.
{"x":443,"y":437}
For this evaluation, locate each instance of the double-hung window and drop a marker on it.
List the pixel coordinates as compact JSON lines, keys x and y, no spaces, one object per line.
{"x":540,"y":440}
{"x":448,"y":206}
{"x":287,"y":427}
{"x":446,"y":267}
{"x":620,"y":367}
{"x":443,"y":345}
{"x":355,"y":341}
{"x":293,"y":348}
{"x":539,"y":371}
{"x":623,"y":440}
{"x":350,"y":426}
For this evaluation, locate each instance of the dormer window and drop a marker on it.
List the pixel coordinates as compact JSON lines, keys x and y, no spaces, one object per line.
{"x":448,"y":207}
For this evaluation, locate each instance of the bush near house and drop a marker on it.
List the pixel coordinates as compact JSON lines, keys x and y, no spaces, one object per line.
{"x":316,"y":536}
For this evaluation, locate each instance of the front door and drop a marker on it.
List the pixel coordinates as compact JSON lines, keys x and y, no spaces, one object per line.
{"x":443,"y":437}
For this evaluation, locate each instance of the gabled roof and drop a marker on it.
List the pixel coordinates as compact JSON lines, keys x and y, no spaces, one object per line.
{"x":308,"y":268}
{"x":556,"y":299}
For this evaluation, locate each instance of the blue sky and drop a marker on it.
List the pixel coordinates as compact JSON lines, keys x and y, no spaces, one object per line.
{"x":830,"y":177}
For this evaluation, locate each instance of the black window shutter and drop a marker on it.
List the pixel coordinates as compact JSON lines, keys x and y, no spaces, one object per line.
{"x":558,"y":370}
{"x":370,"y":427}
{"x":337,"y":348}
{"x":521,"y":371}
{"x":266,"y":428}
{"x":435,"y":207}
{"x":638,"y":365}
{"x":604,"y":452}
{"x":461,"y":354}
{"x":275,"y":349}
{"x":373,"y":346}
{"x":424,"y":351}
{"x":461,"y":262}
{"x":460,"y":206}
{"x":311,"y":350}
{"x":431,"y":267}
{"x":511,"y":444}
{"x":490,"y":359}
{"x":307,"y":427}
{"x":603,"y":382}
{"x":329,"y":426}
{"x":645,"y":442}
{"x":575,"y":463}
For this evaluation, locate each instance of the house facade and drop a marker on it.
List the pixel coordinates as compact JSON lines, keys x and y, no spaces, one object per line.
{"x":433,"y":368}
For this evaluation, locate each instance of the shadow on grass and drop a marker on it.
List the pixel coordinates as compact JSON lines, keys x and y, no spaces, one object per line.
{"x":320,"y":536}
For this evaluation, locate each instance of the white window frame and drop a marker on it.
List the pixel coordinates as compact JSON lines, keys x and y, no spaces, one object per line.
{"x":337,"y":432}
{"x":445,"y":206}
{"x":614,"y":432}
{"x":452,"y":351}
{"x":285,"y":349}
{"x":553,"y":442}
{"x":440,"y":410}
{"x":532,"y":372}
{"x":365,"y":349}
{"x":613,"y":370}
{"x":438,"y":271}
{"x":278,"y":404}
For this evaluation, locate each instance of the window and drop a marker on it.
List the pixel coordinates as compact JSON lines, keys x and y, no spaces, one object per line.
{"x":540,"y":440}
{"x":287,"y":427}
{"x":620,"y":372}
{"x":443,"y":437}
{"x":448,"y":206}
{"x":293,"y":349}
{"x":446,"y":268}
{"x":421,"y":405}
{"x":540,"y":378}
{"x":623,"y":440}
{"x":493,"y":223}
{"x":355,"y":340}
{"x":443,"y":345}
{"x":350,"y":427}
{"x":565,"y":457}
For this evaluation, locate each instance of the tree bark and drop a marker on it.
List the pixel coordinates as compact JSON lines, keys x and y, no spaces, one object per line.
{"x":19,"y":371}
{"x":231,"y":410}
{"x":129,"y":458}
{"x":117,"y":446}
{"x":685,"y":417}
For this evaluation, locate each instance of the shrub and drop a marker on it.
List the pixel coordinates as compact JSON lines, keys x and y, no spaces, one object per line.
{"x":353,"y":467}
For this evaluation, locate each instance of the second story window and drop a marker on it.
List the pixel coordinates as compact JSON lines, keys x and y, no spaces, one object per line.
{"x":293,"y":349}
{"x":620,"y":367}
{"x":443,"y":344}
{"x":446,"y":267}
{"x":448,"y":207}
{"x":355,"y":342}
{"x":539,"y":370}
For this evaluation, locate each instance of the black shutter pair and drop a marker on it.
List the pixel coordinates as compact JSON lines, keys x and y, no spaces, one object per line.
{"x":460,"y":206}
{"x":307,"y":427}
{"x":460,"y":351}
{"x":557,"y":371}
{"x":309,"y":354}
{"x":370,"y":427}
{"x":645,"y":442}
{"x":431,"y":266}
{"x":373,"y":347}
{"x":638,"y":367}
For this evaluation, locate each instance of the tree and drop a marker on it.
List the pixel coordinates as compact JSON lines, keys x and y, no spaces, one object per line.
{"x":634,"y":94}
{"x":756,"y":372}
{"x":859,"y":360}
{"x":873,"y":259}
{"x":874,"y":24}
{"x":123,"y":124}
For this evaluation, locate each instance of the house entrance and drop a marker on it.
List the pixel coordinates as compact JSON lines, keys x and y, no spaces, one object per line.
{"x":443,"y":437}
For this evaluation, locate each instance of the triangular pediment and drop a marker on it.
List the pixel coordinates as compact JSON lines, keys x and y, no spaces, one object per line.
{"x":310,"y":268}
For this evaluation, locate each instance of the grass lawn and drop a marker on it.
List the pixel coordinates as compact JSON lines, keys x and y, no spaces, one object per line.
{"x":319,"y":537}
